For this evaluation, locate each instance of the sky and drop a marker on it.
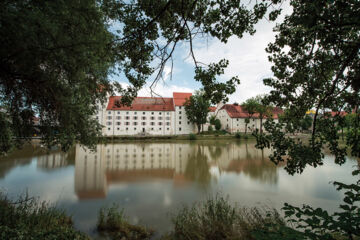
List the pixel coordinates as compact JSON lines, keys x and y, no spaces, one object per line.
{"x":247,"y":59}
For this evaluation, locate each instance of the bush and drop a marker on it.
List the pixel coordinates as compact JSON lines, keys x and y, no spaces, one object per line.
{"x":112,"y":221}
{"x":237,"y":135}
{"x":217,"y":124}
{"x":28,"y":218}
{"x":192,"y":136}
{"x":216,"y":218}
{"x":210,"y":129}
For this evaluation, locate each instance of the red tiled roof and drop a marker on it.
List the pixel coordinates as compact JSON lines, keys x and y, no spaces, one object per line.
{"x":333,"y":114}
{"x":212,"y":109}
{"x":142,"y":104}
{"x":237,"y":111}
{"x":180,"y":98}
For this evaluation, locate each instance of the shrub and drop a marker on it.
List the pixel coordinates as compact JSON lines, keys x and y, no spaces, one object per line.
{"x":112,"y":221}
{"x":216,"y":218}
{"x":192,"y":136}
{"x":217,"y":124}
{"x":28,"y":218}
{"x":210,"y":129}
{"x":237,"y":135}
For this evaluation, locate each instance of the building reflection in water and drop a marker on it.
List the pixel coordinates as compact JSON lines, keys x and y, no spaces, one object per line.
{"x":182,"y":163}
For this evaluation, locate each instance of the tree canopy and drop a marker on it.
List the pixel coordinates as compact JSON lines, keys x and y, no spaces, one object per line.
{"x":197,"y":109}
{"x":57,"y":56}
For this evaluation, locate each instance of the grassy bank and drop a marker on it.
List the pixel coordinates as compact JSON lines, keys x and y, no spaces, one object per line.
{"x":28,"y":218}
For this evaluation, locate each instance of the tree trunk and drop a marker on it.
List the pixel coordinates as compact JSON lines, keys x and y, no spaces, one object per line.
{"x":199,"y":128}
{"x":261,"y":126}
{"x":245,"y":128}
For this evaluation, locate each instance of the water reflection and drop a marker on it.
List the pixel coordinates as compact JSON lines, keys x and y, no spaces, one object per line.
{"x":180,"y":162}
{"x":149,"y":180}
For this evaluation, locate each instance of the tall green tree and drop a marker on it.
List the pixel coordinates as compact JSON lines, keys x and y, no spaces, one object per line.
{"x":250,"y":107}
{"x":57,"y":56}
{"x":262,"y":109}
{"x":197,"y":109}
{"x":315,"y":57}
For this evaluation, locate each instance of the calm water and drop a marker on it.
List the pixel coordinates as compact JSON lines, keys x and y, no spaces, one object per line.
{"x":152,"y":180}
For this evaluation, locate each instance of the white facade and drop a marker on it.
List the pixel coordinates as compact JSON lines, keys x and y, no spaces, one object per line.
{"x":151,"y":121}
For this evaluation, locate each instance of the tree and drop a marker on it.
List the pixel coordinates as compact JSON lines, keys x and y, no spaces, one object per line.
{"x":306,"y":123}
{"x":56,"y":56}
{"x":247,"y":121}
{"x":316,"y":60}
{"x":250,"y":107}
{"x":217,"y":124}
{"x":262,"y":109}
{"x":197,"y":109}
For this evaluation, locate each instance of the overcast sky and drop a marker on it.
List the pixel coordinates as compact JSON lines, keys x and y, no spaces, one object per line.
{"x":247,"y":60}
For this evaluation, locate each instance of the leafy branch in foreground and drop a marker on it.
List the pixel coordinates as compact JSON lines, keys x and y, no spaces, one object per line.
{"x":57,"y":57}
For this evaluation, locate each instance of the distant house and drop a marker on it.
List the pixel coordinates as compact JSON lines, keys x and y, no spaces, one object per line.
{"x":232,"y":117}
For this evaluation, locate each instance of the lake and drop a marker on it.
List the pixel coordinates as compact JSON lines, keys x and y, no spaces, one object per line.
{"x":152,"y":180}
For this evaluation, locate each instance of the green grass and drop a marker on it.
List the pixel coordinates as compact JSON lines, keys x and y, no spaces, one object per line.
{"x":29,"y":218}
{"x":217,"y":218}
{"x":113,"y":223}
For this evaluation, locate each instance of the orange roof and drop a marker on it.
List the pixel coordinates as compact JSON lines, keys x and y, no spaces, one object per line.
{"x":180,"y":98}
{"x":142,"y":104}
{"x":341,"y":113}
{"x":212,"y":109}
{"x":237,"y":111}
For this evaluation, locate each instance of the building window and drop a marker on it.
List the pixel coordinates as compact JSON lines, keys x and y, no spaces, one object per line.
{"x":168,"y":123}
{"x":108,"y":123}
{"x":127,"y":113}
{"x":118,"y":112}
{"x":152,"y":129}
{"x":109,"y":129}
{"x":167,"y":113}
{"x":160,"y":118}
{"x":180,"y":123}
{"x":152,"y":123}
{"x":179,"y":112}
{"x":180,"y":108}
{"x":109,"y":112}
{"x":159,"y":128}
{"x":97,"y":117}
{"x":179,"y":129}
{"x":118,"y":123}
{"x":160,"y":123}
{"x":152,"y":118}
{"x":143,"y":118}
{"x":152,"y":113}
{"x":127,"y":117}
{"x":180,"y":117}
{"x":127,"y":129}
{"x":188,"y":122}
{"x":118,"y":117}
{"x":167,"y":118}
{"x":109,"y":117}
{"x":135,"y":118}
{"x":127,"y":123}
{"x":159,"y":113}
{"x":134,"y":123}
{"x":135,"y":129}
{"x":118,"y":128}
{"x":167,"y":129}
{"x":143,"y":123}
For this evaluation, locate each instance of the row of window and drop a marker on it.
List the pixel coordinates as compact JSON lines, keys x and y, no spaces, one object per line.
{"x":142,"y":123}
{"x":136,"y":123}
{"x":135,"y":113}
{"x":136,"y":118}
{"x":152,"y":129}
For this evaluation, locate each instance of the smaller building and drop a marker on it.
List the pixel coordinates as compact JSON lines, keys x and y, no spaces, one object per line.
{"x":232,"y":118}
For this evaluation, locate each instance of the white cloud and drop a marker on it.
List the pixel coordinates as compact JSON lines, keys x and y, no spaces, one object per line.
{"x":162,"y":89}
{"x":247,"y":59}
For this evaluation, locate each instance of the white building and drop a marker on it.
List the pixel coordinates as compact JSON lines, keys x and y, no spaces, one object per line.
{"x":145,"y":116}
{"x":232,"y":118}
